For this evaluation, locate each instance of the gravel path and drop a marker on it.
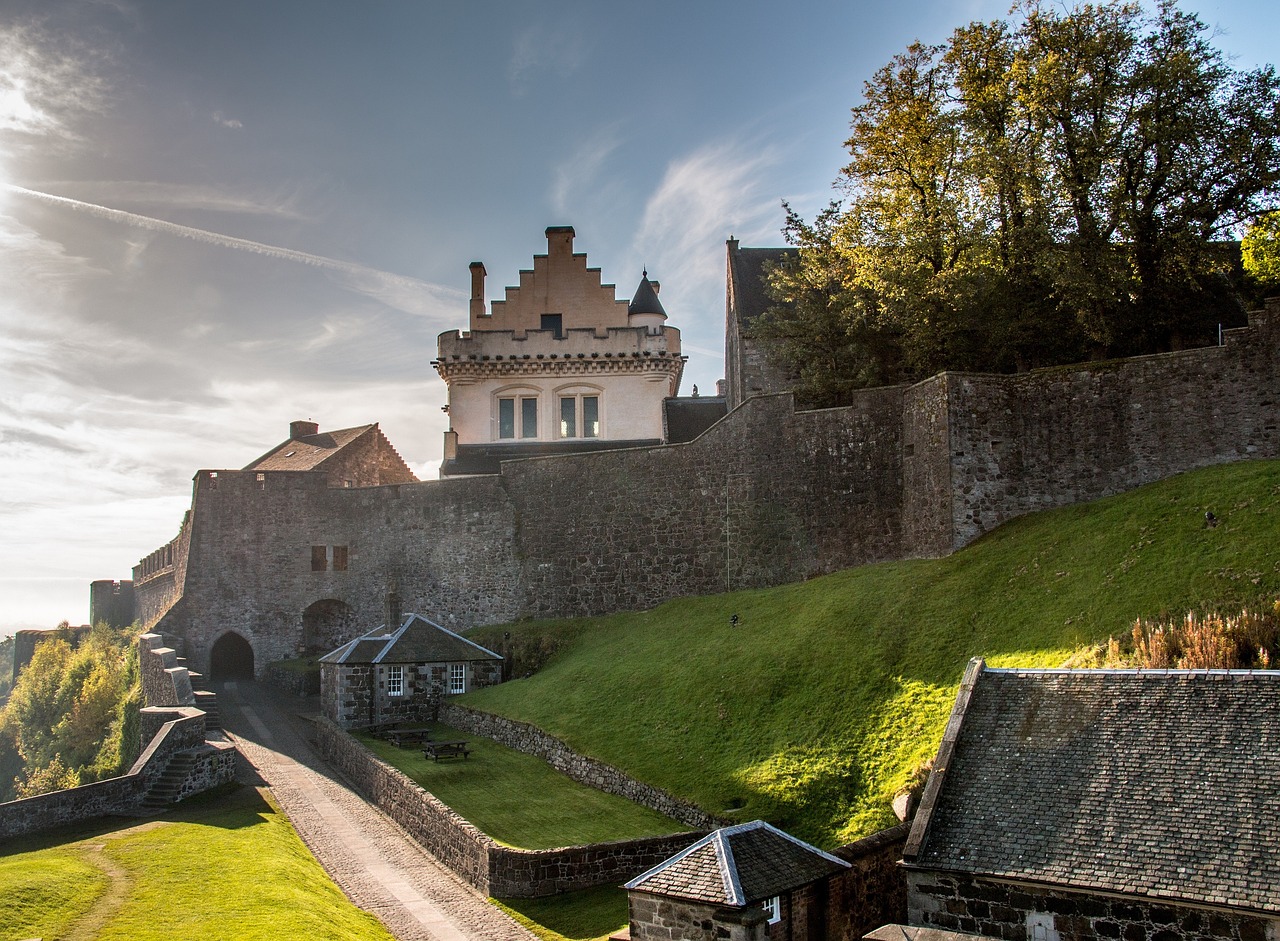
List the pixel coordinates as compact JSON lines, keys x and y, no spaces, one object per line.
{"x":375,"y":863}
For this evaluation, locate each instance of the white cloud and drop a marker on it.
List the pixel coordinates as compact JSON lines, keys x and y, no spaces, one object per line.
{"x":221,"y":119}
{"x":46,"y":84}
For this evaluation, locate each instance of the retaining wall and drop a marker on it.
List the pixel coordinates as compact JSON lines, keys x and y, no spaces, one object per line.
{"x":603,"y":777}
{"x":873,"y":892}
{"x":491,"y":868}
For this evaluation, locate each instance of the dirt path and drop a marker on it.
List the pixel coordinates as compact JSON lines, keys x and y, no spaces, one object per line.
{"x":380,"y":868}
{"x":93,"y":921}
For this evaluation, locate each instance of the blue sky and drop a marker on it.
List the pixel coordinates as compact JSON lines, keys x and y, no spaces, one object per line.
{"x":381,"y":147}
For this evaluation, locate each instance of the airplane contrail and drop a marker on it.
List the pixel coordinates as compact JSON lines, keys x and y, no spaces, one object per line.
{"x":226,"y":241}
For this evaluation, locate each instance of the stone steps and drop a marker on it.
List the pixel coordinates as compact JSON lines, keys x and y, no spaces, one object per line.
{"x":166,"y":788}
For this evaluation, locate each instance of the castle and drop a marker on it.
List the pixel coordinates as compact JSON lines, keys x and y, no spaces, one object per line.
{"x":295,"y":551}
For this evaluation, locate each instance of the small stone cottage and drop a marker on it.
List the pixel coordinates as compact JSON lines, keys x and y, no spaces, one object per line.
{"x":1071,"y":805}
{"x":749,"y":882}
{"x":399,"y":674}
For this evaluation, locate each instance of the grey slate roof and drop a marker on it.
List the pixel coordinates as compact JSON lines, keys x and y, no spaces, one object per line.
{"x":1148,"y":783}
{"x":739,"y":866}
{"x":416,"y":640}
{"x":646,"y":299}
{"x":308,"y":452}
{"x":747,"y":270}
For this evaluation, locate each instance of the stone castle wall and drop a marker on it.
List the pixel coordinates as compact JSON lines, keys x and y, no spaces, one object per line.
{"x":489,"y":866}
{"x":768,"y":495}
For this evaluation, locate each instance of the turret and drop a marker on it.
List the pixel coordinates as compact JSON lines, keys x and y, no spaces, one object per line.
{"x":646,"y":310}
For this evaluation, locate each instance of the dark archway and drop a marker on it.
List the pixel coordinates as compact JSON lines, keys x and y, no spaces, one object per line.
{"x":327,"y":624}
{"x":231,"y":658}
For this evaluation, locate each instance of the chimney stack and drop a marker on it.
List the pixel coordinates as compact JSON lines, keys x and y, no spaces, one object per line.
{"x":393,"y":607}
{"x":301,"y":429}
{"x":477,"y":289}
{"x":560,"y":239}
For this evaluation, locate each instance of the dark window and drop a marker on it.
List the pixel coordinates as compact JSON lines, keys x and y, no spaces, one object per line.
{"x":506,"y":418}
{"x":339,"y":558}
{"x":555,"y":323}
{"x":319,"y":559}
{"x":528,"y":418}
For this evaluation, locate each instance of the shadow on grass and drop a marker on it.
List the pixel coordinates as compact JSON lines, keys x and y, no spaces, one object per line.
{"x":573,"y":916}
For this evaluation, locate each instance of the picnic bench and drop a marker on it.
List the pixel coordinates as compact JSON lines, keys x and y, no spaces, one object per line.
{"x":404,"y":737}
{"x":437,"y":750}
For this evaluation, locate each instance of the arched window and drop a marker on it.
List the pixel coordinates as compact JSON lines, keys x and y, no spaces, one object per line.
{"x":516,"y":414}
{"x":578,"y":412}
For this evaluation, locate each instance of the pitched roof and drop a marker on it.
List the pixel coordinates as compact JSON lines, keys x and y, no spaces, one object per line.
{"x":307,"y":452}
{"x":739,"y":866}
{"x":1151,"y":783}
{"x":416,"y":640}
{"x":746,"y":268}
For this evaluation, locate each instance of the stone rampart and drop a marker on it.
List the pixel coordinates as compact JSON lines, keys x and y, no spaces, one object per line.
{"x":603,"y":777}
{"x":488,"y":866}
{"x":164,"y":681}
{"x":767,"y":495}
{"x":873,"y":891}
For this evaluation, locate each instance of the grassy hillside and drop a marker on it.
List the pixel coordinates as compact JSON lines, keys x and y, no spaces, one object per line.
{"x":827,"y":696}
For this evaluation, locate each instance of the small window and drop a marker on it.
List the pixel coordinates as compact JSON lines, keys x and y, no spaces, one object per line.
{"x":506,"y":418}
{"x":773,"y":909}
{"x":457,"y":678}
{"x":528,"y":418}
{"x":554,"y":323}
{"x":580,"y":416}
{"x":339,"y":558}
{"x":395,"y":681}
{"x":319,"y":559}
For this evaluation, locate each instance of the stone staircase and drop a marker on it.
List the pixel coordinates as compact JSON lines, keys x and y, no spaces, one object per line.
{"x":206,"y":699}
{"x":166,"y":788}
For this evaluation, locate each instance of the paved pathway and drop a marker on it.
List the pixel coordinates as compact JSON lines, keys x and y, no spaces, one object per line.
{"x":380,"y":868}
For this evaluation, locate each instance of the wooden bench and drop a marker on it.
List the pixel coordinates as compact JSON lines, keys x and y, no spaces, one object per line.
{"x":406,"y":737}
{"x":437,"y":750}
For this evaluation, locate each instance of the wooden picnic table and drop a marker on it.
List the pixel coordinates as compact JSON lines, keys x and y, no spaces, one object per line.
{"x":403,"y":737}
{"x":437,"y":750}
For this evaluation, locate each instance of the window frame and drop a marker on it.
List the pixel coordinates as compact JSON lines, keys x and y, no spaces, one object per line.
{"x":457,"y":678}
{"x":773,"y":909}
{"x":578,"y":395}
{"x":525,"y":405}
{"x":395,"y":680}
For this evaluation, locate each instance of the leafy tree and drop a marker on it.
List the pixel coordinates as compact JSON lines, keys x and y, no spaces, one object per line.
{"x":1260,"y":249}
{"x":1033,"y":192}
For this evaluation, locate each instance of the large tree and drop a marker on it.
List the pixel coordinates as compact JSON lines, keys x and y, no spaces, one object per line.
{"x":1035,"y":191}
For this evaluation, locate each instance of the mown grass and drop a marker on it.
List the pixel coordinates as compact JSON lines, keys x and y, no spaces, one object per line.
{"x":587,"y":915}
{"x":520,"y":800}
{"x":225,"y":867}
{"x":827,"y":696}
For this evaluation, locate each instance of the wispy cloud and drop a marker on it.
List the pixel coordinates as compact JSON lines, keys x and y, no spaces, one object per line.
{"x":221,"y":119}
{"x":46,"y":83}
{"x":559,"y":49}
{"x":176,"y":196}
{"x":579,"y":174}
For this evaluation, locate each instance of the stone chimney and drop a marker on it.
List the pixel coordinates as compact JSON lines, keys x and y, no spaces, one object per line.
{"x":301,"y":429}
{"x":560,"y":240}
{"x":393,"y":607}
{"x":477,"y":289}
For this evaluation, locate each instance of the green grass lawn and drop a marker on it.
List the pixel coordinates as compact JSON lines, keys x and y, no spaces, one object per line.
{"x":588,"y":915}
{"x":828,"y":695}
{"x":217,"y":867}
{"x":520,"y":800}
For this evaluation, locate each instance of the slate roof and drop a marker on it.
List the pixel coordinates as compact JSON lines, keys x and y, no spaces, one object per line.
{"x":646,"y":299}
{"x":308,"y":452}
{"x":747,"y":270}
{"x":1158,"y":783}
{"x":739,"y":866}
{"x":417,"y":640}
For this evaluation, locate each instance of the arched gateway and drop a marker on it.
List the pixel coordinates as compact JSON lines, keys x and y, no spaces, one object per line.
{"x":231,"y":658}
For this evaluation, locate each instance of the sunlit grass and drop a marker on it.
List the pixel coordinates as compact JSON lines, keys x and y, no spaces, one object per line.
{"x":827,"y":695}
{"x":587,"y":915}
{"x":520,"y":800}
{"x":226,"y":867}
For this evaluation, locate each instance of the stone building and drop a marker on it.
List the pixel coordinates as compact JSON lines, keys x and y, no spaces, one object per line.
{"x":748,"y":882}
{"x":748,"y":371}
{"x":560,"y":365}
{"x":1103,"y":804}
{"x":398,"y":671}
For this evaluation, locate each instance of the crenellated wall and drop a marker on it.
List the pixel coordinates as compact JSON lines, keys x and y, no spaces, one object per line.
{"x":766,"y":496}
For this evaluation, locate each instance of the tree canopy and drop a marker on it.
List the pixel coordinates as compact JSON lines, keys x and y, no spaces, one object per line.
{"x":1057,"y":187}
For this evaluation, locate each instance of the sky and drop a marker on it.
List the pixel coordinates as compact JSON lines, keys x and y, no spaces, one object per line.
{"x":216,"y":218}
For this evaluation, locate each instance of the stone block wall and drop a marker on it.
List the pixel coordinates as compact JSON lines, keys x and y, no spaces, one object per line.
{"x":476,"y":858}
{"x":658,"y":918}
{"x":164,"y":681}
{"x":1013,"y":911}
{"x":603,"y":777}
{"x":873,"y":891}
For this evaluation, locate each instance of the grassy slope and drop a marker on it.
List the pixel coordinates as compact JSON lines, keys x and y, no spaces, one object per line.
{"x":521,"y":800}
{"x":819,"y":705}
{"x":226,"y":867}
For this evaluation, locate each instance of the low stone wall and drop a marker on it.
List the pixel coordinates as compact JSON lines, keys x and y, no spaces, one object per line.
{"x":123,"y":795}
{"x":603,"y":777}
{"x":298,"y":682}
{"x":873,"y":892}
{"x":494,"y":869}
